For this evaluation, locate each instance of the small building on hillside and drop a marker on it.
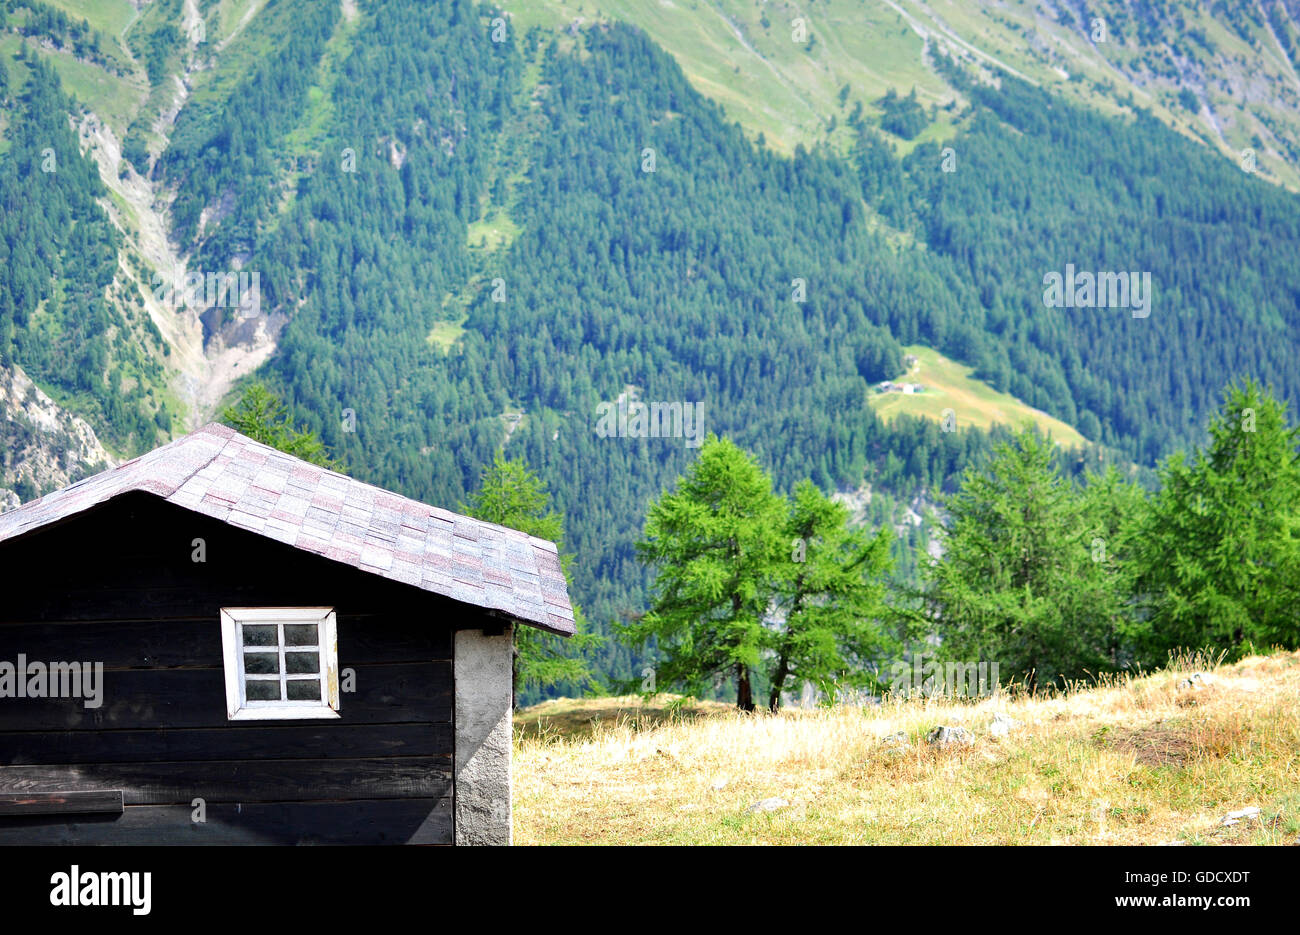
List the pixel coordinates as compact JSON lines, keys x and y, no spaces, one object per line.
{"x":889,"y":386}
{"x":220,"y":643}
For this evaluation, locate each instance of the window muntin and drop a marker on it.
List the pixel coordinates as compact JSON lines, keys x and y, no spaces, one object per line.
{"x":281,"y":662}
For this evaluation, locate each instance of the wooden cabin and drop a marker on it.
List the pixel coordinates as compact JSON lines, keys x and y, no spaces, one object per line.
{"x":220,"y":643}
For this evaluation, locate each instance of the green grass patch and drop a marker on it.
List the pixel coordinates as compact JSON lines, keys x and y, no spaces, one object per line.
{"x":445,"y":334}
{"x":493,"y":232}
{"x":106,"y":16}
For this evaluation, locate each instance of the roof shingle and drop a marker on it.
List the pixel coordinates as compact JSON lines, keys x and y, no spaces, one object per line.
{"x":219,"y":473}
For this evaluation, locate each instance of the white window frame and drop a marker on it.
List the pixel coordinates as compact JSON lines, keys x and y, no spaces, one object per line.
{"x":238,"y":706}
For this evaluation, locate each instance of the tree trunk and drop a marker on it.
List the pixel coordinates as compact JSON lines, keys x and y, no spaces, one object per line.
{"x":744,"y":691}
{"x":778,"y":683}
{"x":787,"y":642}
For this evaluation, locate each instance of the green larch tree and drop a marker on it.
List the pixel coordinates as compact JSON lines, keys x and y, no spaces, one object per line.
{"x":511,"y":494}
{"x":830,"y":598}
{"x":1016,"y":584}
{"x":715,"y":542}
{"x":1114,"y":511}
{"x":1220,"y":552}
{"x":262,"y":416}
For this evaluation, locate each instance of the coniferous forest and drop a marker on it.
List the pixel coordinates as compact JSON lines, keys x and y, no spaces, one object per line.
{"x":650,"y":244}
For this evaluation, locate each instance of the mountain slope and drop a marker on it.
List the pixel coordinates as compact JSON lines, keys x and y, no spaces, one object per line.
{"x":1223,"y":73}
{"x":470,"y":243}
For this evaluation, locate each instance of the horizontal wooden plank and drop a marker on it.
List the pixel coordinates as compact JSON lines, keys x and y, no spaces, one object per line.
{"x":79,"y":603}
{"x":181,"y":698}
{"x":366,"y":639}
{"x":363,"y":640}
{"x":242,"y":780}
{"x":390,"y":821}
{"x":61,"y":803}
{"x":253,"y":739}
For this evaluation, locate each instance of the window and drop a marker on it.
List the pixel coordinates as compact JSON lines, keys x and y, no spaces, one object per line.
{"x":281,"y":662}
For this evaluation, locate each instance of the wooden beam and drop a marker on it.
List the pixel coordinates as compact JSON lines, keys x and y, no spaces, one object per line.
{"x":386,"y":821}
{"x":247,"y":780}
{"x":23,"y":804}
{"x":260,"y":740}
{"x":155,"y":699}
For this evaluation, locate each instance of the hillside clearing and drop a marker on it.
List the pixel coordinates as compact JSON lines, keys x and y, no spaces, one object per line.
{"x":949,"y":385}
{"x":1142,"y":761}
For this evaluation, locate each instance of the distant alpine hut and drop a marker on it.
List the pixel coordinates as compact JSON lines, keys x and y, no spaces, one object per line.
{"x":220,"y":643}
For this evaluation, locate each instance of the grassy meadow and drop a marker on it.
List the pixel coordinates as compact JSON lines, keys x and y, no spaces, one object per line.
{"x":949,"y":385}
{"x":1144,"y":760}
{"x":744,"y":55}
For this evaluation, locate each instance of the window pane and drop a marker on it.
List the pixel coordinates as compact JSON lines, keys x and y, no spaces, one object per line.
{"x":300,"y":634}
{"x":295,"y":663}
{"x":261,"y":663}
{"x":304,"y":690}
{"x":259,"y":634}
{"x":262,"y":690}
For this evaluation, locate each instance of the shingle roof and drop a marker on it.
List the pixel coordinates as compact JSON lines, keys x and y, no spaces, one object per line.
{"x":219,"y":473}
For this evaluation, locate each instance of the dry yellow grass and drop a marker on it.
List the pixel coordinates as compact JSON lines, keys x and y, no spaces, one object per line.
{"x":1142,"y":761}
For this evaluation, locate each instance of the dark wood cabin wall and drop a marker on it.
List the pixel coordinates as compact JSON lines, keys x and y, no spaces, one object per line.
{"x":118,"y":585}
